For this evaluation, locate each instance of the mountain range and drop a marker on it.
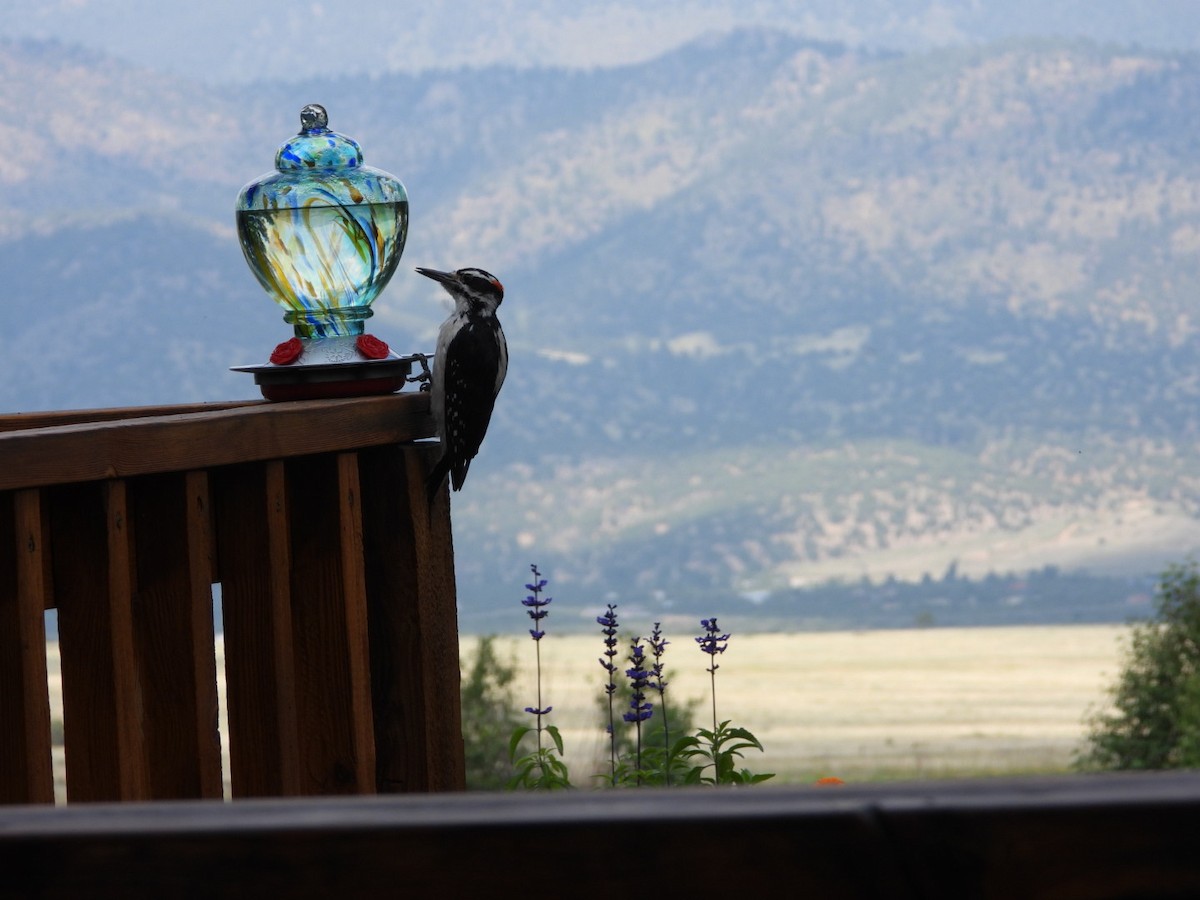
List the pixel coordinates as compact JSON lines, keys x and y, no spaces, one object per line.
{"x":781,"y":311}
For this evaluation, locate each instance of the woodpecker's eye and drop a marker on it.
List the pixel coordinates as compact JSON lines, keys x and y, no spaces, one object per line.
{"x":481,"y":281}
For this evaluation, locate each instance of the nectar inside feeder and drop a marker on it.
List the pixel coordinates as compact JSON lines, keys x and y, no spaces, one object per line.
{"x":323,"y":235}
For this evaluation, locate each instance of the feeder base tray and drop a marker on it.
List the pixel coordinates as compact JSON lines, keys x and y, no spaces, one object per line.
{"x":327,"y":380}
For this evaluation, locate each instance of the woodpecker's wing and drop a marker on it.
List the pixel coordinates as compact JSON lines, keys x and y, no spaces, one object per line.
{"x":472,"y":360}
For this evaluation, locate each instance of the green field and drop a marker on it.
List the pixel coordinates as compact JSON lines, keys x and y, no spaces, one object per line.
{"x":924,"y":703}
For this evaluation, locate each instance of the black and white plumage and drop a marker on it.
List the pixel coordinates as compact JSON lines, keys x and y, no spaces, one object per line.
{"x":468,"y":370}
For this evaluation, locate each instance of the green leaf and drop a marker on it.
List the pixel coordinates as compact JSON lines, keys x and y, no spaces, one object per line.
{"x":518,"y":733}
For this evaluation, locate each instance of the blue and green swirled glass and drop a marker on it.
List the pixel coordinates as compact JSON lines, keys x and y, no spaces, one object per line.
{"x":324,"y":233}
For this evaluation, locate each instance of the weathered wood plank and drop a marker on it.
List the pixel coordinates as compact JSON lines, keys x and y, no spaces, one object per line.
{"x":145,"y":445}
{"x":51,"y":418}
{"x":201,"y":540}
{"x":413,"y":624}
{"x":93,"y":570}
{"x":173,"y":628}
{"x":26,"y":769}
{"x":132,"y":763}
{"x":354,"y":608}
{"x":251,"y":508}
{"x":1070,"y":837}
{"x":438,"y":610}
{"x":332,"y":688}
{"x":398,"y":698}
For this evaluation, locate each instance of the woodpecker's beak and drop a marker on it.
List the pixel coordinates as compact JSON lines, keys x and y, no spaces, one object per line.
{"x":443,"y":277}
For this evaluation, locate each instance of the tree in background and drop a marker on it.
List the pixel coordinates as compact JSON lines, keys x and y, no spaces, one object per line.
{"x":1154,"y":719}
{"x":488,"y":717}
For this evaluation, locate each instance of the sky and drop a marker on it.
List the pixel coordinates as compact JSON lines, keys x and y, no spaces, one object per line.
{"x":225,"y":40}
{"x":237,"y":41}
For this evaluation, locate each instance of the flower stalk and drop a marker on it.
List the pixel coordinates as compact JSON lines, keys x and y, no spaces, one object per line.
{"x":712,"y":642}
{"x":608,"y":623}
{"x":640,"y":709}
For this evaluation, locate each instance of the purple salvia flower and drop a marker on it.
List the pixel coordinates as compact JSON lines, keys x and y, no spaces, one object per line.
{"x":658,"y":647}
{"x":712,"y":642}
{"x":536,"y":604}
{"x":639,"y":680}
{"x":608,"y":621}
{"x":608,"y":627}
{"x":639,"y":709}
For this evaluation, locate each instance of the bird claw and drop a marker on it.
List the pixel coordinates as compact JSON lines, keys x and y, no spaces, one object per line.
{"x":426,"y":377}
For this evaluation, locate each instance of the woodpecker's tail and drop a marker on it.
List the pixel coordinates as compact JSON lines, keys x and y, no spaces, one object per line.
{"x":433,"y":483}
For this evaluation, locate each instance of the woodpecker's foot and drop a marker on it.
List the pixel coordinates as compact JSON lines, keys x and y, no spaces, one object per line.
{"x":426,"y":377}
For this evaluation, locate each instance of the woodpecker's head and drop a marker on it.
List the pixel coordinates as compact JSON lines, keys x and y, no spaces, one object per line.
{"x":474,"y":290}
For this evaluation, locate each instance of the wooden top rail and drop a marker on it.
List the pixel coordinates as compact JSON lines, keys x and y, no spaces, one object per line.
{"x":24,"y":421}
{"x":42,"y":449}
{"x":1090,"y":838}
{"x":337,"y":598}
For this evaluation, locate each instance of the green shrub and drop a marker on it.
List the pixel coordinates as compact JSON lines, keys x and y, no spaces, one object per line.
{"x":1154,"y":719}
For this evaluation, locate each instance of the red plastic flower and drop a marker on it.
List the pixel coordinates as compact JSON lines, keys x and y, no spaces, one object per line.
{"x":371,"y":347}
{"x":287,"y":352}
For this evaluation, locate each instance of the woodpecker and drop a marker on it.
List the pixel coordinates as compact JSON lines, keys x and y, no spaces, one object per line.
{"x":468,"y":370}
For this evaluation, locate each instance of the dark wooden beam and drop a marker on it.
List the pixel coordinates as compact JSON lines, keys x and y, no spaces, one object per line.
{"x":1064,"y":837}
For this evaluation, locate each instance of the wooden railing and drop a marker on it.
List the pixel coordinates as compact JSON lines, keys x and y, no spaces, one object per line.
{"x":341,"y":658}
{"x":1075,"y":838}
{"x":336,"y":590}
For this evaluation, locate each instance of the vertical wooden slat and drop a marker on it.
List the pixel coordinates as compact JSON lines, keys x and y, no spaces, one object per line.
{"x":93,"y":586}
{"x":26,"y":767}
{"x":79,"y":565}
{"x":332,"y":686}
{"x":204,"y":659}
{"x":392,"y":591}
{"x":130,"y":711}
{"x":354,"y":599}
{"x":253,"y":545}
{"x":437,"y":595}
{"x":413,"y":623}
{"x":174,"y":634}
{"x":282,"y":640}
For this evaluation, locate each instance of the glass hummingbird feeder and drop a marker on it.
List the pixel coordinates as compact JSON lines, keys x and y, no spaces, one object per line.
{"x":323,"y":235}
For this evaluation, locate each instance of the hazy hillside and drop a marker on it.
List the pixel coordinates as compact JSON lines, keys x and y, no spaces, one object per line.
{"x":779,"y":311}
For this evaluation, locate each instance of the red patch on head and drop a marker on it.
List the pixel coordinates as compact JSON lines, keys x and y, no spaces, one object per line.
{"x":498,"y":285}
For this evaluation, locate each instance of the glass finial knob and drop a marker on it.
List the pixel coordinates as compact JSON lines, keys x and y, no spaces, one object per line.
{"x":313,"y":117}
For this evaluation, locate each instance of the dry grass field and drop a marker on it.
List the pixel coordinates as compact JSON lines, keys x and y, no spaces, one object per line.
{"x":926,"y":703}
{"x":864,"y":705}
